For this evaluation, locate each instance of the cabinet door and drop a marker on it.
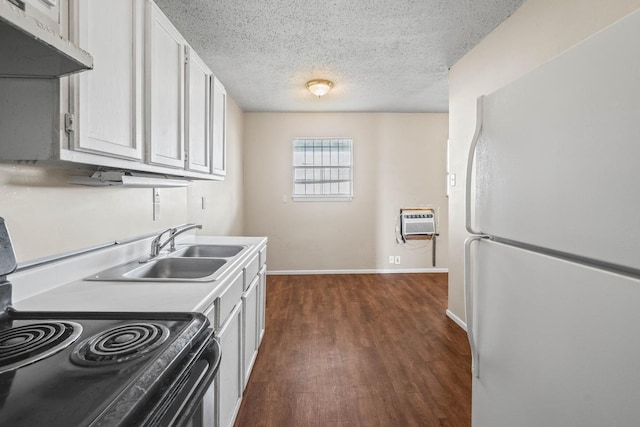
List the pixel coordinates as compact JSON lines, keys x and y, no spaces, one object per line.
{"x":250,"y":301}
{"x":229,"y":384}
{"x":198,"y":114}
{"x":45,"y":11}
{"x":262,"y":303}
{"x":208,"y":407}
{"x":165,"y":90}
{"x":218,"y":127}
{"x":109,"y":97}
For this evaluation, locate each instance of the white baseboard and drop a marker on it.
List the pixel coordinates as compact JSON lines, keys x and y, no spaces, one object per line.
{"x":456,"y":319}
{"x":372,"y":271}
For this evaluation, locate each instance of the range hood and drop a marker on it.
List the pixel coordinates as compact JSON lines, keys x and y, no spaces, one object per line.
{"x":29,"y":48}
{"x":128,"y":179}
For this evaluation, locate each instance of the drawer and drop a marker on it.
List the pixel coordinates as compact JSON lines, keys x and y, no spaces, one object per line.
{"x":228,"y":299}
{"x":251,"y":271}
{"x":263,"y":256}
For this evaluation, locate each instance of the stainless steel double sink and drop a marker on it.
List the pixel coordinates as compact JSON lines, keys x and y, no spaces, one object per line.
{"x":188,"y":263}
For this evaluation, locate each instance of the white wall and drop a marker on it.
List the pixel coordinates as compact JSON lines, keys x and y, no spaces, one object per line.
{"x":399,"y":161}
{"x":535,"y":33}
{"x":47,"y":216}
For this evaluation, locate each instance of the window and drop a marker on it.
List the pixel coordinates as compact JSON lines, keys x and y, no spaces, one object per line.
{"x":322,"y":169}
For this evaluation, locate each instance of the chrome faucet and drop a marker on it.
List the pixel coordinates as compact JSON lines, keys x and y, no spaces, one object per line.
{"x":175,"y":232}
{"x":157,"y":245}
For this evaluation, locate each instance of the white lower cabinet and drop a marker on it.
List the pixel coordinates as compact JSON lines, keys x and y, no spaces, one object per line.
{"x":229,"y":381}
{"x":239,"y":320}
{"x":262,"y":302}
{"x":251,"y":302}
{"x":208,"y":408}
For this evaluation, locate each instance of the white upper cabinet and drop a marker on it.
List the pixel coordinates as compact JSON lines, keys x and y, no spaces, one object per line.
{"x":46,"y":11}
{"x":165,"y":79}
{"x":197,"y":131}
{"x":109,"y":98}
{"x":218,"y":127}
{"x":150,"y":104}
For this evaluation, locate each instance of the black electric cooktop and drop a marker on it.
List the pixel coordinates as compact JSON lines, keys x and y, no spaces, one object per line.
{"x":78,"y":369}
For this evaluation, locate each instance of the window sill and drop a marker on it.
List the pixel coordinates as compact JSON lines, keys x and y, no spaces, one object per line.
{"x":322,"y":198}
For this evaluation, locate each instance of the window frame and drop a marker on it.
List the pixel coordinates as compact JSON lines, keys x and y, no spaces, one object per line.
{"x":321,"y":197}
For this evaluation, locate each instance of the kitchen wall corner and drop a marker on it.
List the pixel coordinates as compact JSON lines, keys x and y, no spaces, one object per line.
{"x":222,"y":211}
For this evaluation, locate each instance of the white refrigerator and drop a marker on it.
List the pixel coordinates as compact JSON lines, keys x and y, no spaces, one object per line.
{"x":552,"y":270}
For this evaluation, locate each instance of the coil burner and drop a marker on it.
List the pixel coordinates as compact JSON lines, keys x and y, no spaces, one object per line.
{"x":120,"y":344}
{"x":23,"y":345}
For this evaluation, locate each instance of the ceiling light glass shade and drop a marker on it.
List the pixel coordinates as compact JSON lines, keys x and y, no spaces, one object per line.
{"x":319,"y":87}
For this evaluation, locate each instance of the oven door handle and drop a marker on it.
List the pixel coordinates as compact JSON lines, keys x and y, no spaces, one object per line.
{"x":179,"y":403}
{"x":197,"y":387}
{"x":195,"y":395}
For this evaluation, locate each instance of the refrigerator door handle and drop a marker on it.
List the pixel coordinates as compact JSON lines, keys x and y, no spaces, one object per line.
{"x":470,"y":160}
{"x":468,"y":302}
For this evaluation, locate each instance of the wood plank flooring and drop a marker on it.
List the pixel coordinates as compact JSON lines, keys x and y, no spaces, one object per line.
{"x":359,"y":350}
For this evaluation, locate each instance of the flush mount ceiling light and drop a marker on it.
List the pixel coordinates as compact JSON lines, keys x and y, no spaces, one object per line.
{"x":319,"y":87}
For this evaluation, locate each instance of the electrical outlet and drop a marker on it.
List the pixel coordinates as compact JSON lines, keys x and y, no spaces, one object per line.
{"x":391,"y":259}
{"x":397,"y":259}
{"x":156,"y":204}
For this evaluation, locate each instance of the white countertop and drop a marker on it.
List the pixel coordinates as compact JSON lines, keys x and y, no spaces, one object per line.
{"x":61,"y":294}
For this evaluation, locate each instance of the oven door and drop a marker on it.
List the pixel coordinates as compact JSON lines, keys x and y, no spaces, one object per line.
{"x":180,"y":402}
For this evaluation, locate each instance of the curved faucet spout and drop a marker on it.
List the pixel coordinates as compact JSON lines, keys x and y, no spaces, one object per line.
{"x":175,"y":232}
{"x":157,"y":245}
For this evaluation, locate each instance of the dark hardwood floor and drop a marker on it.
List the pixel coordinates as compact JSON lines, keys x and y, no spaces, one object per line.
{"x":359,"y":350}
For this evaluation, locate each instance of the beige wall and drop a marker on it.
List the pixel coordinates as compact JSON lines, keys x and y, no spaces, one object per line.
{"x":399,"y":161}
{"x":47,"y":216}
{"x":535,"y":33}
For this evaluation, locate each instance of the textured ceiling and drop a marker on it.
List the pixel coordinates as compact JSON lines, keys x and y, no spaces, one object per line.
{"x":388,"y":56}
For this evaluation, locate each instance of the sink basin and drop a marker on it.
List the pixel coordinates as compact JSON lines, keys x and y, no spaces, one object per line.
{"x":177,"y":268}
{"x":188,"y":263}
{"x":165,"y":270}
{"x":209,"y":251}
